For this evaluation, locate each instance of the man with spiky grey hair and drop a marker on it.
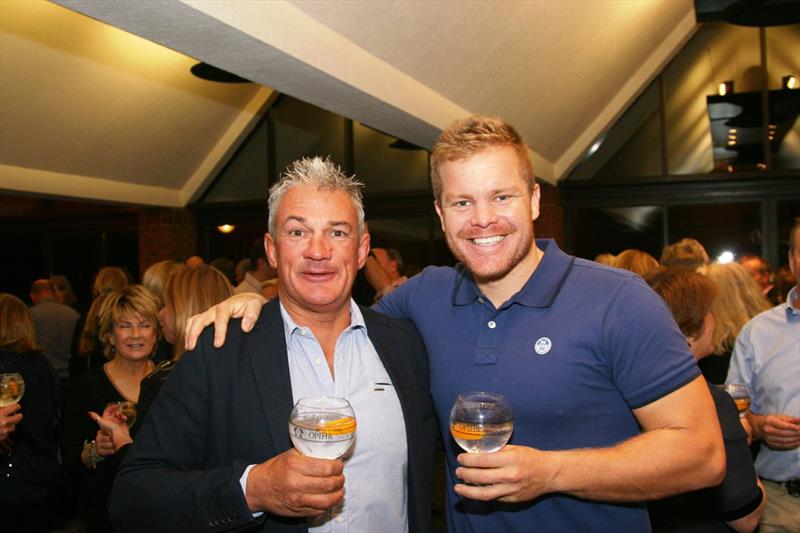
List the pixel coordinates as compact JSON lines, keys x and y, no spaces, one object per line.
{"x":214,"y":453}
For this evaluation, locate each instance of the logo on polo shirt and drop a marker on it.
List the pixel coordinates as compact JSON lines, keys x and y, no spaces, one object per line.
{"x":543,"y":345}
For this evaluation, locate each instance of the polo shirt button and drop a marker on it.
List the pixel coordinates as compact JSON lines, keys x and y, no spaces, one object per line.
{"x":339,"y":519}
{"x":318,"y":360}
{"x":480,"y":300}
{"x":492,"y":324}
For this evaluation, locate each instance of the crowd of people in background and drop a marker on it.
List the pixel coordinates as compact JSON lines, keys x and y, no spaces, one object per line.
{"x":747,"y":318}
{"x":58,"y":453}
{"x":61,"y":445}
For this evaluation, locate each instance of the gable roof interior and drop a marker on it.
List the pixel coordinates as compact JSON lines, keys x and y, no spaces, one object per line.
{"x":97,"y":102}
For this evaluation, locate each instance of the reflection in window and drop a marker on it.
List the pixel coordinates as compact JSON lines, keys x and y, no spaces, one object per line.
{"x":788,"y":212}
{"x":697,"y":117}
{"x":304,"y":130}
{"x":613,"y":229}
{"x":632,"y":147}
{"x":418,"y":239}
{"x":783,"y":61}
{"x":245,"y":175}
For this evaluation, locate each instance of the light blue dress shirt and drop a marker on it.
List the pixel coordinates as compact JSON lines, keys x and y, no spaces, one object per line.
{"x":766,"y":358}
{"x":376,"y":466}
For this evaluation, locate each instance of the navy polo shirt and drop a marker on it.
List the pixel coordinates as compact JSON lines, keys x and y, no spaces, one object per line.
{"x":574,"y":351}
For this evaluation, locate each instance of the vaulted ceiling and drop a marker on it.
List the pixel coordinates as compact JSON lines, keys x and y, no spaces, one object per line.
{"x":97,"y":102}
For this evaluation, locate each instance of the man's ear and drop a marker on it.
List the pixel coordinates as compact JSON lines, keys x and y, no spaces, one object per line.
{"x":535,"y":199}
{"x":363,"y":249}
{"x":269,"y":246}
{"x":439,"y":212}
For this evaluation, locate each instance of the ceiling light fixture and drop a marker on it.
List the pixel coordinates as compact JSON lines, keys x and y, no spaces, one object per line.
{"x":789,"y":82}
{"x":226,"y":228}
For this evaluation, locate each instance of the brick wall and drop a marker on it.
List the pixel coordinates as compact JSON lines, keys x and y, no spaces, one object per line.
{"x":166,"y":233}
{"x":550,"y":223}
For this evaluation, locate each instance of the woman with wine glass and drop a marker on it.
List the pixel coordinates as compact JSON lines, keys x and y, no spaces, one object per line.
{"x":186,"y":292}
{"x":128,"y":331}
{"x":28,"y":442}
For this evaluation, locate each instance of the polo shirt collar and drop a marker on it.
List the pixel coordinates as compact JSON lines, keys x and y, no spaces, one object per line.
{"x":539,"y":291}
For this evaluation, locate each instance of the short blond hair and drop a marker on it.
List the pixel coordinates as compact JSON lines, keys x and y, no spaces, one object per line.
{"x":317,"y":172}
{"x":473,"y":135}
{"x":133,"y":299}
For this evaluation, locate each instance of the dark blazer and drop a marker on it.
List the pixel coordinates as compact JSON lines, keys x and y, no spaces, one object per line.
{"x":223,"y":409}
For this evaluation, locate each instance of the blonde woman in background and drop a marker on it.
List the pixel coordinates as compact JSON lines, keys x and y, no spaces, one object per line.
{"x":129,"y":330}
{"x":740,"y":299}
{"x":109,"y":278}
{"x":636,"y":261}
{"x":155,"y":278}
{"x":188,"y":291}
{"x":87,"y":352}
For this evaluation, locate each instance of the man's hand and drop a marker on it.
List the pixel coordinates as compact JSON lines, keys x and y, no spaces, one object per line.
{"x":779,"y":432}
{"x":513,"y":474}
{"x":9,"y":418}
{"x":291,"y":484}
{"x":246,"y":305}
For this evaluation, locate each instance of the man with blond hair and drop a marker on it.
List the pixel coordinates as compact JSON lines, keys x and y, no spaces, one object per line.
{"x":610,"y":408}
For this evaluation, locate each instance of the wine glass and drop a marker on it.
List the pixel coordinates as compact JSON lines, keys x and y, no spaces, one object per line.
{"x":12,"y":387}
{"x":740,"y":395}
{"x":322,"y":427}
{"x":127,"y":409}
{"x":481,"y":421}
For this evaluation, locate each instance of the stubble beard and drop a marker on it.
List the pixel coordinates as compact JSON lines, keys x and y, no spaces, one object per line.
{"x":501,"y":271}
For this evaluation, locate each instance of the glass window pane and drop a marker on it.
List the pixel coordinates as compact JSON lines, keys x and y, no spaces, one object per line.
{"x":632,"y":147}
{"x":304,"y":130}
{"x":783,"y":61}
{"x":419,"y":240}
{"x":246,"y":175}
{"x":614,"y":229}
{"x":788,"y":212}
{"x":733,"y":227}
{"x":385,"y":164}
{"x":698,"y":119}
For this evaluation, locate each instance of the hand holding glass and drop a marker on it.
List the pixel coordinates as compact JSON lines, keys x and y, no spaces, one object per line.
{"x":12,"y":387}
{"x":740,"y":395}
{"x":322,"y":427}
{"x":481,"y":421}
{"x":126,"y":409}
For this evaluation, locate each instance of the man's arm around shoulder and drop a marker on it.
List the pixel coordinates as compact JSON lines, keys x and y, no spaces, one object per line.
{"x":164,"y":484}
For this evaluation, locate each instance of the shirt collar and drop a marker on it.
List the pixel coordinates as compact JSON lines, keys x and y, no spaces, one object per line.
{"x":539,"y":291}
{"x":290,"y":326}
{"x":793,"y":305}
